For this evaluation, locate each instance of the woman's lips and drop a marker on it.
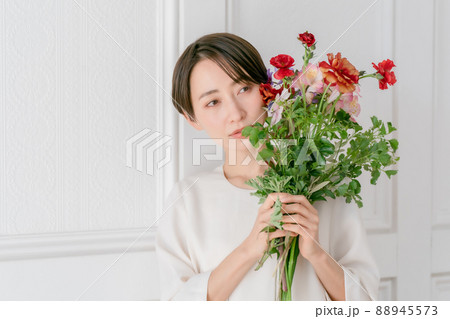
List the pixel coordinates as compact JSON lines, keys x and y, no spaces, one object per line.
{"x":237,"y":135}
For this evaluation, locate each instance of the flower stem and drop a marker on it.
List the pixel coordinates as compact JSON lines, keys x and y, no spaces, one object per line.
{"x":372,"y":75}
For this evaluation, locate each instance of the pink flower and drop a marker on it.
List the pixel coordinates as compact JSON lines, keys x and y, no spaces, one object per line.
{"x":347,"y":102}
{"x":334,"y":93}
{"x":312,"y":78}
{"x":275,"y":112}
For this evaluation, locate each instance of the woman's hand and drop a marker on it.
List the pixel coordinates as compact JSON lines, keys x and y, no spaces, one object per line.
{"x":301,"y":218}
{"x":256,"y":243}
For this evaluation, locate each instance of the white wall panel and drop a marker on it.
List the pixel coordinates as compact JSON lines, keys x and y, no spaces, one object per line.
{"x":132,"y":277}
{"x":441,"y":287}
{"x":74,"y":96}
{"x":77,"y":82}
{"x":441,"y":115}
{"x":387,"y":289}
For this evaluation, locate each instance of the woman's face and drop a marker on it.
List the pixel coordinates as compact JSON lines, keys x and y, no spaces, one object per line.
{"x":222,"y":106}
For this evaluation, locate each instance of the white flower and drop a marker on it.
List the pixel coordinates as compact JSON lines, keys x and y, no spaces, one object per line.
{"x":283,"y":96}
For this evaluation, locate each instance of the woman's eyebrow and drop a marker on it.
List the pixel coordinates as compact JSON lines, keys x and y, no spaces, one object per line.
{"x":215,"y":90}
{"x":207,"y":93}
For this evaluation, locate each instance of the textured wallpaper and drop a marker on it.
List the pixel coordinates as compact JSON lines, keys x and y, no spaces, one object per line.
{"x":75,"y":87}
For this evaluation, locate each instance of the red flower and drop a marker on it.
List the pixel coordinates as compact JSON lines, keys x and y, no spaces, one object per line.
{"x":307,"y":38}
{"x":268,"y":92}
{"x":283,"y":62}
{"x":282,"y":73}
{"x":339,"y":71}
{"x":384,"y":68}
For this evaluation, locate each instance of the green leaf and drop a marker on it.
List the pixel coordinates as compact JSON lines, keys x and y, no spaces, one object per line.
{"x":342,"y":116}
{"x":385,"y":159}
{"x":315,"y":172}
{"x":341,"y":190}
{"x":358,"y":188}
{"x":297,"y":102}
{"x":383,"y":129}
{"x":254,"y":136}
{"x":276,"y":216}
{"x":375,"y":121}
{"x":389,"y":173}
{"x":265,"y":154}
{"x":343,"y":134}
{"x":326,"y":148}
{"x":319,"y":186}
{"x":317,"y":196}
{"x":390,"y":127}
{"x":394,"y":144}
{"x":375,"y":174}
{"x":364,"y":143}
{"x":246,"y":131}
{"x":329,"y":193}
{"x":268,"y":229}
{"x":315,"y":151}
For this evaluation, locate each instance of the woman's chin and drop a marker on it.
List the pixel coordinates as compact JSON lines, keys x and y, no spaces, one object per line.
{"x":241,"y":144}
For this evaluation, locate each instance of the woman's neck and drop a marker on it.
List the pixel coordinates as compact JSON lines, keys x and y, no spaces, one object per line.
{"x":241,"y":164}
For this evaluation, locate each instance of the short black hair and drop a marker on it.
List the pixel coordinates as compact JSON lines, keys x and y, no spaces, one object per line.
{"x":233,"y":54}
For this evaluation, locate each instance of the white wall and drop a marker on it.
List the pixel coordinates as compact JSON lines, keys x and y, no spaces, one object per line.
{"x":76,"y":85}
{"x":79,"y":78}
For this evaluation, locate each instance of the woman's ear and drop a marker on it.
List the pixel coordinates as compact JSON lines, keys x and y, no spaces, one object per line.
{"x":194,"y":124}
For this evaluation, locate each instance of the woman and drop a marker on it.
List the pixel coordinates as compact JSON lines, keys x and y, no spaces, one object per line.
{"x":209,"y":240}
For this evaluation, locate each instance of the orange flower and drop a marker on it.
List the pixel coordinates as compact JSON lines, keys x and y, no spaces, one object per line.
{"x":268,"y":92}
{"x":339,"y":72}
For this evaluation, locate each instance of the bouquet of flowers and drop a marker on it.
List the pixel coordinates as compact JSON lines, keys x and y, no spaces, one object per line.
{"x":313,"y":144}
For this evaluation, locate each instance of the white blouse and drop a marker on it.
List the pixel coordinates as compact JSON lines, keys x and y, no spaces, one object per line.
{"x":206,"y":219}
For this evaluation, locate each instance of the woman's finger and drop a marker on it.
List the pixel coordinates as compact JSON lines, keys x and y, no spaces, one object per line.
{"x":295,"y":209}
{"x":297,"y":229}
{"x":289,"y":198}
{"x":297,"y":220}
{"x":278,"y":233}
{"x":271,"y":199}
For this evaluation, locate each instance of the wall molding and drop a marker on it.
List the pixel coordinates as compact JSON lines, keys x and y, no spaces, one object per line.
{"x":440,"y":287}
{"x":441,"y":49}
{"x":386,"y":291}
{"x":76,"y":243}
{"x":169,"y":41}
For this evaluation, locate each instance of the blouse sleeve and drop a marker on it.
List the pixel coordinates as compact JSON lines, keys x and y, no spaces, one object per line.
{"x":177,"y":277}
{"x":350,"y":248}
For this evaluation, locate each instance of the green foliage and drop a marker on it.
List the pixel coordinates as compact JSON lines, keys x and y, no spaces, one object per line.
{"x":330,"y":151}
{"x":326,"y":160}
{"x":329,"y":155}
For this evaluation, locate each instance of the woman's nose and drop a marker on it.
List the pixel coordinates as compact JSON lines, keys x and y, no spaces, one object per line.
{"x":236,"y":111}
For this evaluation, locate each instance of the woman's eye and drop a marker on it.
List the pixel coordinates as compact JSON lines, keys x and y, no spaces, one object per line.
{"x":211,"y":102}
{"x":246,"y":87}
